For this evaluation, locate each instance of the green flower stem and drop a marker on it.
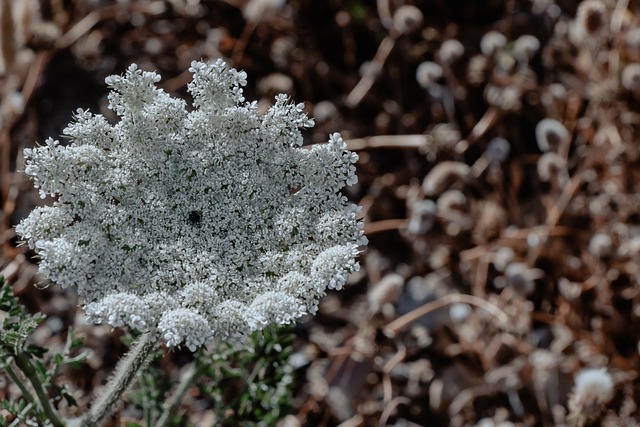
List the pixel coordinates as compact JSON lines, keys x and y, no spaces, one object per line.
{"x":25,"y":365}
{"x":26,"y":394}
{"x":172,"y":404}
{"x":126,"y":371}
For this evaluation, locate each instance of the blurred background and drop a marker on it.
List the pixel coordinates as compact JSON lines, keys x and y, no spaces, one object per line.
{"x":499,"y":175}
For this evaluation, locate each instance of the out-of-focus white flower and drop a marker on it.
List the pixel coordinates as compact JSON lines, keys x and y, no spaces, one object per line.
{"x":193,"y":224}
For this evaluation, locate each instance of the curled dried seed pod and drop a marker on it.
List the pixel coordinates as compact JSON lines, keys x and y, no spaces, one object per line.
{"x":630,"y":78}
{"x":442,"y":176}
{"x":450,"y":51}
{"x":551,"y":135}
{"x":591,"y":16}
{"x":386,"y":291}
{"x":492,"y":42}
{"x":407,"y":19}
{"x":450,"y":201}
{"x":453,"y":210}
{"x":428,"y":73}
{"x":551,"y":166}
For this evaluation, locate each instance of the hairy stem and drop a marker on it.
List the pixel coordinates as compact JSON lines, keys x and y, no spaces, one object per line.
{"x":22,"y":361}
{"x":125,"y":372}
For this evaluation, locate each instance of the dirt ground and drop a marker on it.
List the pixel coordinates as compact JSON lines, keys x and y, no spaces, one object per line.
{"x":499,"y":177}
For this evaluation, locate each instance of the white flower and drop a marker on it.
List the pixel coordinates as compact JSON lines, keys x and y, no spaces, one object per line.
{"x":193,"y":224}
{"x":184,"y":325}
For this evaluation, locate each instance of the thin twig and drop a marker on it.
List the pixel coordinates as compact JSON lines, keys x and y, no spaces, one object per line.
{"x":385,"y":225}
{"x":392,"y":329}
{"x":554,"y":216}
{"x":368,"y":79}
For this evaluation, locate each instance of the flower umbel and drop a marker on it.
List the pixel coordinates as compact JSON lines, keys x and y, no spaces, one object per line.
{"x":193,"y":224}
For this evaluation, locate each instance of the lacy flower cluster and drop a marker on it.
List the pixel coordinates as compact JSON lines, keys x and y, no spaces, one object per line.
{"x":194,"y":224}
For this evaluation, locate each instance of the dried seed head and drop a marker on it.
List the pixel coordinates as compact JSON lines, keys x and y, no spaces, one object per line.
{"x":631,"y":77}
{"x":554,"y":97}
{"x":632,"y":39}
{"x":551,"y":135}
{"x":274,"y":84}
{"x":407,"y":19}
{"x":423,"y":214}
{"x":498,"y":150}
{"x":442,"y":176}
{"x":521,"y":278}
{"x":492,"y":42}
{"x":256,"y":10}
{"x":591,"y":16}
{"x":502,"y":258}
{"x":450,"y":51}
{"x":505,"y":98}
{"x":525,"y":48}
{"x":477,"y":70}
{"x":490,"y":219}
{"x":324,"y":111}
{"x":281,"y":49}
{"x":600,"y":245}
{"x":386,"y":291}
{"x":445,"y":136}
{"x":593,"y":389}
{"x":428,"y":73}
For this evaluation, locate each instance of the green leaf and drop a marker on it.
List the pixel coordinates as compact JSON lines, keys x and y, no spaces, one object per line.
{"x":58,"y":359}
{"x":40,"y":368}
{"x":37,"y":351}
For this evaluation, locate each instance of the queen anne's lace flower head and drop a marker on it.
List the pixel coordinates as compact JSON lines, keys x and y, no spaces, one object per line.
{"x":193,"y":224}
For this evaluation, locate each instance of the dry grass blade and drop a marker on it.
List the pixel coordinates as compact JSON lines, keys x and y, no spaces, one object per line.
{"x":393,"y":328}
